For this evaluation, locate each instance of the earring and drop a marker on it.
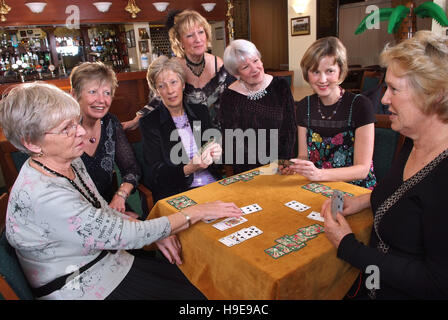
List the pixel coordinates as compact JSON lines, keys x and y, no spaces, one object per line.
{"x":40,"y":154}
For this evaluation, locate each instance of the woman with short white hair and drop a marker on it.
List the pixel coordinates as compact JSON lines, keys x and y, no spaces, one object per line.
{"x":256,"y":101}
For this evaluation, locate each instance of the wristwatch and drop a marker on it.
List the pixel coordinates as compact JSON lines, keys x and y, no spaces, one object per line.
{"x":186,"y":217}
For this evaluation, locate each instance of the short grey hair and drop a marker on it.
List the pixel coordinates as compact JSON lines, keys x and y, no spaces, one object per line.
{"x":163,"y":63}
{"x":237,"y":52}
{"x":31,"y":109}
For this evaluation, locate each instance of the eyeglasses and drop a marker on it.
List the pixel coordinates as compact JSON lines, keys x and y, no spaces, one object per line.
{"x":69,"y":130}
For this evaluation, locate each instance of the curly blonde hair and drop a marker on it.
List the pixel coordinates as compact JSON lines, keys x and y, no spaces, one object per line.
{"x":184,"y":21}
{"x":422,"y":60}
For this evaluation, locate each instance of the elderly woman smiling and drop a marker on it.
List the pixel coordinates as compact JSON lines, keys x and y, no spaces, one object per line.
{"x":256,"y":101}
{"x":58,"y":222}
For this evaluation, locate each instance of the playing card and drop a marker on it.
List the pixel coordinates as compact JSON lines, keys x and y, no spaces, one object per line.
{"x":296,"y":205}
{"x":301,"y":237}
{"x":311,"y":186}
{"x":209,"y":220}
{"x":315,"y":216}
{"x":229,"y":223}
{"x":251,"y":232}
{"x":312,"y":230}
{"x":227,"y":241}
{"x":229,"y":180}
{"x":290,"y":244}
{"x":206,"y":145}
{"x":285,"y":163}
{"x":181,"y":202}
{"x":337,"y":202}
{"x":250,"y":209}
{"x":245,"y":177}
{"x":276,"y":251}
{"x":327,"y":193}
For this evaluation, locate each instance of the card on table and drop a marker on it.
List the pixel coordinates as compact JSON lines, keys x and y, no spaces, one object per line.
{"x":251,"y":208}
{"x":229,"y":180}
{"x":229,"y":223}
{"x":301,"y":237}
{"x":277,"y":251}
{"x":290,"y":244}
{"x":181,"y":202}
{"x":296,"y":205}
{"x":312,"y":230}
{"x":314,"y":215}
{"x":240,"y":236}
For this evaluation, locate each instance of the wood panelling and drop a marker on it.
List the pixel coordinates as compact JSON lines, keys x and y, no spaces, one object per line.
{"x":269,"y":31}
{"x":54,"y":12}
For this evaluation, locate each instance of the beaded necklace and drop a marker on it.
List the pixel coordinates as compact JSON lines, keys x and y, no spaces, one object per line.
{"x":196,"y":68}
{"x":335,"y":109}
{"x":92,"y":199}
{"x":258,"y":94}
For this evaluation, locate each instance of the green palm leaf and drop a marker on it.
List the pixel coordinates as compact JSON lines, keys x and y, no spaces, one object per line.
{"x":397,"y":16}
{"x":384,"y":15}
{"x":432,"y":10}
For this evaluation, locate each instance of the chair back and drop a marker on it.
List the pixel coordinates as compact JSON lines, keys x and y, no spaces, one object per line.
{"x":11,"y":160}
{"x":287,"y":75}
{"x":13,"y":283}
{"x":371,"y":79}
{"x":387,"y":146}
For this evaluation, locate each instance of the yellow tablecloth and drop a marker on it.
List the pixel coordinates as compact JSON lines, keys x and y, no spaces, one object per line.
{"x":245,"y":271}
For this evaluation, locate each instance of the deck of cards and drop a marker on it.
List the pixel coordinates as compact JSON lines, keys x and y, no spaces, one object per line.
{"x":240,"y":236}
{"x":229,"y":223}
{"x":337,"y":203}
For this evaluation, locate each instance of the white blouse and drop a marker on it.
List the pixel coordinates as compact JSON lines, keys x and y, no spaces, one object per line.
{"x":55,"y":231}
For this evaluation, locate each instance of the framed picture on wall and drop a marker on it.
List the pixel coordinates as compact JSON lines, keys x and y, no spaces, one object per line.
{"x":132,"y":36}
{"x":300,"y":26}
{"x":143,"y":44}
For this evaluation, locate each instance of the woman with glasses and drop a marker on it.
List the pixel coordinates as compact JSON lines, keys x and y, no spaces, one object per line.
{"x":70,"y":243}
{"x":105,"y":143}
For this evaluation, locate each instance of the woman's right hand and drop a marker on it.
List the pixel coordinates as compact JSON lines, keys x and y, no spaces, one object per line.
{"x":131,"y":124}
{"x":212,"y":210}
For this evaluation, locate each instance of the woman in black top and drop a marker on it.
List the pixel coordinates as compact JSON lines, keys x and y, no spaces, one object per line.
{"x":93,"y":85}
{"x":257,"y":105}
{"x":409,"y":243}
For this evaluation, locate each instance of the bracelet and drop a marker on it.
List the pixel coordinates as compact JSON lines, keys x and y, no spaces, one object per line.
{"x":186,"y":217}
{"x":122,"y":194}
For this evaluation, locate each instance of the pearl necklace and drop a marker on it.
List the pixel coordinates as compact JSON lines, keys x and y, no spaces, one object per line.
{"x":92,"y":199}
{"x":258,"y":94}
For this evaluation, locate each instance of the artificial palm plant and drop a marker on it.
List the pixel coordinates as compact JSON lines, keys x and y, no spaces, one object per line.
{"x":402,"y":19}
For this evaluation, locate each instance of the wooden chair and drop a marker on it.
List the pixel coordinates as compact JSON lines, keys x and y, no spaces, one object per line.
{"x":370,"y":79}
{"x":388,"y":144}
{"x":287,"y":75}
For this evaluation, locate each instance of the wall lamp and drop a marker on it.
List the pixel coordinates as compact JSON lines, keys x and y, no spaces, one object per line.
{"x":36,"y":7}
{"x":209,"y":6}
{"x":160,"y":6}
{"x":102,"y":6}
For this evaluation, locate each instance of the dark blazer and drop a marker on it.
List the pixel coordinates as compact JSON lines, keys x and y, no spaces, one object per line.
{"x":163,"y":177}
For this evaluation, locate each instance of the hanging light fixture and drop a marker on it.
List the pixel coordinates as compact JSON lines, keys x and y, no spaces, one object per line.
{"x":4,"y":10}
{"x":160,"y":6}
{"x":36,"y":7}
{"x":132,"y":8}
{"x":102,"y":6}
{"x":209,"y":6}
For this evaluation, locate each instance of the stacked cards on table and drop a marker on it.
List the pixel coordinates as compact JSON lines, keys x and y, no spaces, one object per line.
{"x":294,"y":242}
{"x":300,"y":207}
{"x":241,"y":177}
{"x":322,"y":189}
{"x":245,"y":210}
{"x":240,"y":236}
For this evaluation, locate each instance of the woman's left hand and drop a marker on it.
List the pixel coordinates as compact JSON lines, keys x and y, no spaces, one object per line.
{"x":335,"y":231}
{"x":215,"y":151}
{"x":171,"y":249}
{"x":118,"y":203}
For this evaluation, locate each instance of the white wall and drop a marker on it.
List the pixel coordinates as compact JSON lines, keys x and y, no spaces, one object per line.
{"x":218,"y":46}
{"x":435,"y":26}
{"x":299,"y":44}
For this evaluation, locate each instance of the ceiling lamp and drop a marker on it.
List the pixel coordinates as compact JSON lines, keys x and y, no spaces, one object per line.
{"x":209,"y":6}
{"x":36,"y":7}
{"x":160,"y":6}
{"x":132,"y":8}
{"x":4,"y":10}
{"x":102,"y":6}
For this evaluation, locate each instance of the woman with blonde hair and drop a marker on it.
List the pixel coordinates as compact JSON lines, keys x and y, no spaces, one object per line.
{"x":408,"y":245}
{"x":336,"y":127}
{"x":205,"y":76}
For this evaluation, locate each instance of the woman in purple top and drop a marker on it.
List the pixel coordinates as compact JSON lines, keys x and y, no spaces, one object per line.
{"x":172,"y":135}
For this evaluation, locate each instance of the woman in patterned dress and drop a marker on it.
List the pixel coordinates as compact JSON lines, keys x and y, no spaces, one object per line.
{"x":336,"y":127}
{"x":205,"y":76}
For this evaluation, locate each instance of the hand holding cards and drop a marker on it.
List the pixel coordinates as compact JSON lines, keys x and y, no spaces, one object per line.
{"x":337,"y":203}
